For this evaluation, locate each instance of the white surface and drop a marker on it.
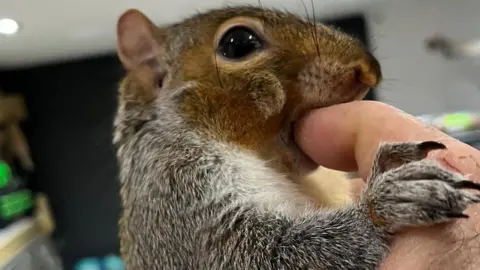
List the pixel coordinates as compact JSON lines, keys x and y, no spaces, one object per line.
{"x":63,"y":29}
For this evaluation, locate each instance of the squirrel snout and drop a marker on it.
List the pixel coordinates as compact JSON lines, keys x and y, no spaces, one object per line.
{"x":368,"y":71}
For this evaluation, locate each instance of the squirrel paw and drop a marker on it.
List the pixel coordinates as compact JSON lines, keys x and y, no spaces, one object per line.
{"x":405,"y":189}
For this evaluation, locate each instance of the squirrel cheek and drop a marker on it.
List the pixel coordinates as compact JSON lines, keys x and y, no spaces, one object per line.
{"x":272,"y":104}
{"x":270,"y":96}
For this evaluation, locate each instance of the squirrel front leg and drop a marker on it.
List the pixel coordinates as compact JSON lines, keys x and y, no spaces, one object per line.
{"x":343,"y":239}
{"x":404,"y":190}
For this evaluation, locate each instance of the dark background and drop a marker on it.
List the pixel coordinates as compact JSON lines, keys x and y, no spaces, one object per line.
{"x":71,"y":107}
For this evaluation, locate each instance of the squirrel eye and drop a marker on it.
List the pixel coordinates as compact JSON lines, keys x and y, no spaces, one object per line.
{"x":239,"y":42}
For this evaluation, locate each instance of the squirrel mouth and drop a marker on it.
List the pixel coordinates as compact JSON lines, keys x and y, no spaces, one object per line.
{"x":301,"y":162}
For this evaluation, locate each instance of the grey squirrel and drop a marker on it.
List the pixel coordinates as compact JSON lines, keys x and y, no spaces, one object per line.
{"x":208,"y":163}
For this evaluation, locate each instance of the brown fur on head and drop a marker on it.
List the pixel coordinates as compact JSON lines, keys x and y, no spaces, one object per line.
{"x":252,"y":101}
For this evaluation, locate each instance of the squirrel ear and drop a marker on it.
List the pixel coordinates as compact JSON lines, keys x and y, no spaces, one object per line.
{"x":137,"y":46}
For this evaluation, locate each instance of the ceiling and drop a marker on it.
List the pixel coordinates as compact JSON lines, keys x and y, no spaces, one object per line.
{"x":59,"y":30}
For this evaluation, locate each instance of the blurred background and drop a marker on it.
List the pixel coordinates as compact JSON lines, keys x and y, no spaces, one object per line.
{"x":59,"y":202}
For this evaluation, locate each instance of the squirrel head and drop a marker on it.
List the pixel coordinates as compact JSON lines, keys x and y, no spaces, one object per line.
{"x":242,"y":75}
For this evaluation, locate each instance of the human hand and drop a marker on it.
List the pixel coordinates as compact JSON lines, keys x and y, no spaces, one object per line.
{"x":345,"y":137}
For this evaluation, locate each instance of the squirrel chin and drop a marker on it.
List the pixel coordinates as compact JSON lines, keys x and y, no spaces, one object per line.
{"x":300,"y":161}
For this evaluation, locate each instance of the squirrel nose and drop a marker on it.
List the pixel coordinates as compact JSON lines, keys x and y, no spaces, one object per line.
{"x":368,"y":71}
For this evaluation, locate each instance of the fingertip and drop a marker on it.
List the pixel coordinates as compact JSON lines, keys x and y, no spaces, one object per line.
{"x":327,"y":136}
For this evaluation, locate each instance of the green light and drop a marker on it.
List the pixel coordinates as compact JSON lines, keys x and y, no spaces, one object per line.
{"x":459,"y":120}
{"x":5,"y":174}
{"x":14,"y":204}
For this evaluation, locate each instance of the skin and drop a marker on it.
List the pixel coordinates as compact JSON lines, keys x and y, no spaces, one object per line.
{"x":354,"y":131}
